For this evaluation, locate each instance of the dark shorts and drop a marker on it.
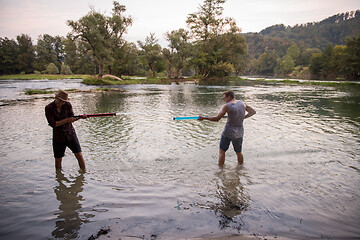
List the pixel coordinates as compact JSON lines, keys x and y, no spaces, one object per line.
{"x":59,"y":147}
{"x":225,"y":143}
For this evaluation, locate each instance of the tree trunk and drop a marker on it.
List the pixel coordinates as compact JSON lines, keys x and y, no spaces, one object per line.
{"x":151,"y":69}
{"x":109,"y":69}
{"x":178,"y":72}
{"x":169,"y":70}
{"x":101,"y":69}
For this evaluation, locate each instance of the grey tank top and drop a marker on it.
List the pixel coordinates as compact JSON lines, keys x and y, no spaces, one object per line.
{"x":234,"y":126}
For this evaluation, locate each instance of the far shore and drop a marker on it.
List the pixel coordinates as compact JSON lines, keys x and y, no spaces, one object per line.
{"x":105,"y":89}
{"x":109,"y":80}
{"x":41,"y":76}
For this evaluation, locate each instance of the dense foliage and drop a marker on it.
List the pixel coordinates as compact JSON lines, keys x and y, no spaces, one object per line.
{"x":326,"y":49}
{"x":219,"y":46}
{"x":212,"y":47}
{"x":101,"y":34}
{"x":331,"y":31}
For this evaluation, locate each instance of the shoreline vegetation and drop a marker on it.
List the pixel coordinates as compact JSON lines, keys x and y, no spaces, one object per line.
{"x":110,"y":80}
{"x":96,"y":45}
{"x":39,"y":91}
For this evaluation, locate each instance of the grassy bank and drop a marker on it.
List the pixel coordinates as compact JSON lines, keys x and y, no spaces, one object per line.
{"x":87,"y":79}
{"x":306,"y":82}
{"x":94,"y":80}
{"x":39,"y":91}
{"x":41,"y":76}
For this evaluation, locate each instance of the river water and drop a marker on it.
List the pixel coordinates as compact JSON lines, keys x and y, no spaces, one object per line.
{"x":151,"y":177}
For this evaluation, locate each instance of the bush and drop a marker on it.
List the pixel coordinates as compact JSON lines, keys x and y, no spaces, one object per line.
{"x":222,"y":69}
{"x":52,"y":69}
{"x":65,"y":69}
{"x":32,"y":92}
{"x":94,"y":80}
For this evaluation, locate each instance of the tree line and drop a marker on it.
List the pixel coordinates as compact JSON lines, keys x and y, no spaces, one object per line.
{"x":211,"y":47}
{"x":331,"y":31}
{"x":286,"y":58}
{"x":327,"y":49}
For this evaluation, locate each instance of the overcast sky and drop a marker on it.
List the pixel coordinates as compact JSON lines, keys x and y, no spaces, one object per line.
{"x":36,"y":17}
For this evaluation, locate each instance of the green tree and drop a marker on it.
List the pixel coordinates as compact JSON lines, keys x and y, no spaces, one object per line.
{"x":127,"y":61}
{"x":329,"y":67}
{"x":294,"y":52}
{"x":316,"y":65}
{"x":71,"y":53}
{"x":352,"y":58}
{"x":259,"y":44}
{"x":179,"y":53}
{"x":208,"y":21}
{"x":101,"y":33}
{"x":9,"y":51}
{"x":305,"y":56}
{"x":65,"y":69}
{"x":234,"y":51}
{"x":49,"y":49}
{"x":287,"y":65}
{"x":78,"y":58}
{"x":151,"y":54}
{"x":52,"y":69}
{"x":26,"y":56}
{"x":170,"y":58}
{"x":208,"y":28}
{"x":266,"y":63}
{"x":338,"y":60}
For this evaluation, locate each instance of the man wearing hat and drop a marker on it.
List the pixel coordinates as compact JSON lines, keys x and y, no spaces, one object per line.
{"x":60,"y":117}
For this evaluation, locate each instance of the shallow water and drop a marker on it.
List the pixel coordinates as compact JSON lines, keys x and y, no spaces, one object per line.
{"x":155,"y":178}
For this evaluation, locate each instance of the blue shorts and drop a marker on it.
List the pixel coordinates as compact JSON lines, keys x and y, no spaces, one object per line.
{"x":225,"y":143}
{"x":59,"y":147}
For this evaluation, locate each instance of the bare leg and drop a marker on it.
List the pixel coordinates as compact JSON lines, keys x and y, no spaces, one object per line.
{"x":58,"y":163}
{"x":240,"y":157}
{"x":81,"y":160}
{"x":221,"y":157}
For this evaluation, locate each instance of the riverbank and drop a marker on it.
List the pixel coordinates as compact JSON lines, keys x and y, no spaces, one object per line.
{"x":41,"y":76}
{"x":301,"y":81}
{"x":127,"y":80}
{"x":94,"y":80}
{"x":105,"y":89}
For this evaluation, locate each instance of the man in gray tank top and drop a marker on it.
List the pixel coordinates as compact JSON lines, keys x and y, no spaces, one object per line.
{"x":233,"y":132}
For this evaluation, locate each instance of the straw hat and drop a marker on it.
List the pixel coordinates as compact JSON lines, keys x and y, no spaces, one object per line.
{"x":62,"y":95}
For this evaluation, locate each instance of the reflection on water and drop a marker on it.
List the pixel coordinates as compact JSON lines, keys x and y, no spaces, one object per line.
{"x":68,"y":192}
{"x":149,"y":176}
{"x":11,"y":90}
{"x":232,"y":196}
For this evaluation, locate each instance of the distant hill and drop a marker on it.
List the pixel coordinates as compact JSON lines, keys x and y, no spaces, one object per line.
{"x":333,"y":30}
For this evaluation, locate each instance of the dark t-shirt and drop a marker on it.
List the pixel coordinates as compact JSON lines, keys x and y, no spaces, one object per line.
{"x":63,"y":132}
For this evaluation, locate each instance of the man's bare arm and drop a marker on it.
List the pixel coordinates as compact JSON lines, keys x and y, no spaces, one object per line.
{"x":250,"y":111}
{"x":216,"y":118}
